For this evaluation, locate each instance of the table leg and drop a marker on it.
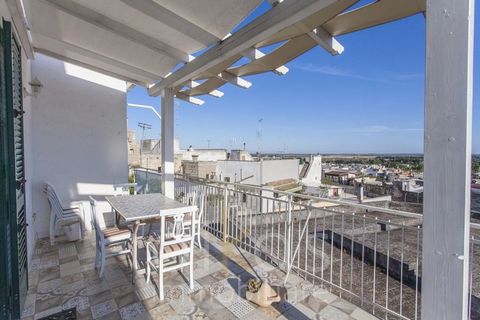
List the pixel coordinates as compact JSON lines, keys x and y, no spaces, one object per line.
{"x":134,"y":250}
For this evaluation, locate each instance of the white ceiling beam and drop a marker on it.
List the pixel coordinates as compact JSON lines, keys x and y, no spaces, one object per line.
{"x":18,"y":18}
{"x":189,"y":99}
{"x":255,"y":54}
{"x":326,"y":41}
{"x":274,"y":20}
{"x":192,"y":84}
{"x":171,"y":19}
{"x":54,"y":45}
{"x":233,"y":79}
{"x":91,"y":67}
{"x":91,"y":16}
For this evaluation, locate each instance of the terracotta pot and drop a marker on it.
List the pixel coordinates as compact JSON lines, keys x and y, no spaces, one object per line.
{"x":264,"y":297}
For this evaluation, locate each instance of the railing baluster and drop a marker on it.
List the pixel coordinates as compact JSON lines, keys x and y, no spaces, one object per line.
{"x":331,"y":250}
{"x":363,"y":262}
{"x":388,"y":268}
{"x":375,"y":265}
{"x":401,"y":269}
{"x":351,"y":254}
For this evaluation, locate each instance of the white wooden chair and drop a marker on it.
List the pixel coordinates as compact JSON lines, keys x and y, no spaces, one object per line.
{"x":197,"y":199}
{"x":168,"y":252}
{"x":61,"y":214}
{"x":106,"y":237}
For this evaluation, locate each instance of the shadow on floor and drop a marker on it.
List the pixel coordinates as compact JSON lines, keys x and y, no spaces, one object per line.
{"x":239,"y":285}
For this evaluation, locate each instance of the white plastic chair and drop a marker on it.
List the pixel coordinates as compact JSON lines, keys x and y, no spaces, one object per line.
{"x":60,"y":213}
{"x":172,"y":246}
{"x":107,"y":236}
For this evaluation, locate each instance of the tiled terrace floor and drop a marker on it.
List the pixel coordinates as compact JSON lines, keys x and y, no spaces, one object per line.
{"x":63,"y":277}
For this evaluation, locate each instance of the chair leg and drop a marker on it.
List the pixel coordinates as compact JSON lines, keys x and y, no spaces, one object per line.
{"x":102,"y":267}
{"x":149,"y":259}
{"x":52,"y":228}
{"x":160,"y":279}
{"x":97,"y":255}
{"x":191,"y":270}
{"x":197,"y":234}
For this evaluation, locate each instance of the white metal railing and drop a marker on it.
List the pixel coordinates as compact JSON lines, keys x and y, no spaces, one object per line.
{"x":371,"y":256}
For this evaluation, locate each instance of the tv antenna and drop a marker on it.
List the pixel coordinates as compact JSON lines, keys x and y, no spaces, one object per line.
{"x":259,"y":136}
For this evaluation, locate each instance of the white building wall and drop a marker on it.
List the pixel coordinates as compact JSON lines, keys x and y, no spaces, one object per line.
{"x":238,"y":170}
{"x":262,"y":171}
{"x":205,"y":154}
{"x":314,"y":174}
{"x":78,"y":136}
{"x":273,"y":170}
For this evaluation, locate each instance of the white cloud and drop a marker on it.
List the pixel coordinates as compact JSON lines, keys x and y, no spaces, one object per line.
{"x":340,"y":72}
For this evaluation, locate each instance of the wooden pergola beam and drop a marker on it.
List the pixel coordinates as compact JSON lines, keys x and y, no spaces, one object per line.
{"x":274,"y":20}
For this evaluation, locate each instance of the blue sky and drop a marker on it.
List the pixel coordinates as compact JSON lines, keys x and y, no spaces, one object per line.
{"x":369,"y":99}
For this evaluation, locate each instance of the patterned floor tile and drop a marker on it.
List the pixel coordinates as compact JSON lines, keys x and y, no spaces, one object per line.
{"x":67,"y":251}
{"x":133,"y":311}
{"x":333,"y":313}
{"x":104,"y":308}
{"x":79,"y":302}
{"x":240,"y":308}
{"x":162,"y":312}
{"x":147,"y":292}
{"x":126,"y":299}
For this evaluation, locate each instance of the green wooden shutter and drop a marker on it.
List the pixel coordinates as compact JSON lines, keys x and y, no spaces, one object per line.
{"x":5,"y":252}
{"x":16,"y":226}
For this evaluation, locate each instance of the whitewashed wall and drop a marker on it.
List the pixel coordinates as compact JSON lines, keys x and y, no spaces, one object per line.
{"x":273,"y":170}
{"x":78,"y":135}
{"x":314,"y":174}
{"x":261,"y":171}
{"x":237,"y":170}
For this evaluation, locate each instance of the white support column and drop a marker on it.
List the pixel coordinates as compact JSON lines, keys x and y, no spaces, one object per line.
{"x":167,"y":143}
{"x":448,"y":139}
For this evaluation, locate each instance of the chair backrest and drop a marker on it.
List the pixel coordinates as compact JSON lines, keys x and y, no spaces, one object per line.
{"x":98,"y":220}
{"x":175,"y":230}
{"x":54,"y":200}
{"x":200,"y":203}
{"x":196,"y":197}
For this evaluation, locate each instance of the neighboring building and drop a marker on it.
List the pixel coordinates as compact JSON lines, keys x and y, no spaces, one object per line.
{"x":133,"y":149}
{"x":200,"y":169}
{"x":340,"y":177}
{"x":325,"y":191}
{"x":257,"y":172}
{"x":147,"y":153}
{"x":205,"y":154}
{"x":285,"y":185}
{"x":311,"y":171}
{"x":241,"y":155}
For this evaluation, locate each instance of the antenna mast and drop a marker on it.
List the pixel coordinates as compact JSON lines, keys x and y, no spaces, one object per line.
{"x":259,"y":136}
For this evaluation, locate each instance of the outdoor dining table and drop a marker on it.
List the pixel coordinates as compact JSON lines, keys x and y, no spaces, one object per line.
{"x":135,"y":209}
